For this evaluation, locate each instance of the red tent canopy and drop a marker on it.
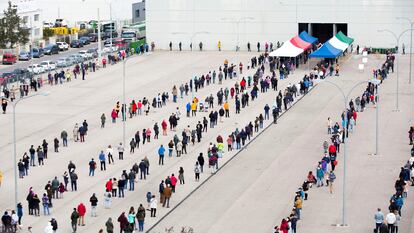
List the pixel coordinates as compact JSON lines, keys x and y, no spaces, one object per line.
{"x":298,"y":42}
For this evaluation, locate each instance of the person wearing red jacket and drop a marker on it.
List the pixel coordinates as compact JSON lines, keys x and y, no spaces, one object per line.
{"x":134,"y":108}
{"x":284,"y":226}
{"x":164,"y":127}
{"x":355,"y":114}
{"x":232,"y":92}
{"x":114,"y":115}
{"x":173,"y":182}
{"x":139,"y":107}
{"x":81,"y":212}
{"x":332,"y":150}
{"x":108,"y":185}
{"x":104,"y":62}
{"x":242,"y":84}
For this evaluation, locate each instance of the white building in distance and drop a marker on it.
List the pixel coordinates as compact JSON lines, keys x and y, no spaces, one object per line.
{"x":240,"y":21}
{"x":31,"y":16}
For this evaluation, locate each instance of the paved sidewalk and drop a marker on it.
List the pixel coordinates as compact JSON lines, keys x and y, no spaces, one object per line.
{"x":370,"y":180}
{"x":146,"y":76}
{"x":256,"y":190}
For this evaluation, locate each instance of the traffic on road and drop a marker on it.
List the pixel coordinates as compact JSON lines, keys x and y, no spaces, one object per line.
{"x":52,"y":57}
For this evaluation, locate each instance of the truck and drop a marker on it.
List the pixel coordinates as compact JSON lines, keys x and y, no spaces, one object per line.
{"x":134,"y":32}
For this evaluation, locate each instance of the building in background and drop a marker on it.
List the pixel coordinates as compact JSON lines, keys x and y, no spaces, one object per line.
{"x":32,"y":19}
{"x":241,"y":21}
{"x":138,"y":12}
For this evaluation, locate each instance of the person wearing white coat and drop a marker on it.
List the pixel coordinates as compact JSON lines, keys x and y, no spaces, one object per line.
{"x":107,"y":200}
{"x":153,"y":206}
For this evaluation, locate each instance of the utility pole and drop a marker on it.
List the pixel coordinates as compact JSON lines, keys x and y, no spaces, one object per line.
{"x":99,"y":39}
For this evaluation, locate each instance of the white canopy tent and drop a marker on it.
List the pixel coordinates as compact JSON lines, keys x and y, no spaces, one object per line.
{"x":287,"y":50}
{"x":338,"y":44}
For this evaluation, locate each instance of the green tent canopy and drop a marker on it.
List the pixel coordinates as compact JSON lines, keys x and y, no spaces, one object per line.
{"x":342,"y":37}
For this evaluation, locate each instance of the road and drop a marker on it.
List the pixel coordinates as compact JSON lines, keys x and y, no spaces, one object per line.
{"x":55,"y":57}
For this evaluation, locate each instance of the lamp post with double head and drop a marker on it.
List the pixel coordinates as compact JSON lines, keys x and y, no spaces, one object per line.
{"x":411,"y":22}
{"x":14,"y":105}
{"x":397,"y":39}
{"x":346,"y":99}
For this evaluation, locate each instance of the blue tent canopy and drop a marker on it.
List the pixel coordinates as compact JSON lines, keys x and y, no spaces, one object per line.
{"x":308,"y":38}
{"x":326,"y":51}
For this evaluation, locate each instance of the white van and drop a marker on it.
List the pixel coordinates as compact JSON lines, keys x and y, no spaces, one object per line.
{"x":48,"y":65}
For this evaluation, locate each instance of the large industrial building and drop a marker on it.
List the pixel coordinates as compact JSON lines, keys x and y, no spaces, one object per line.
{"x":235,"y":22}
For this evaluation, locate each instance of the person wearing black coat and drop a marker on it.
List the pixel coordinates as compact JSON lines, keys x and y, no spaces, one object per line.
{"x":200,"y":160}
{"x":121,"y":186}
{"x":156,"y":131}
{"x":383,"y":228}
{"x":143,"y":168}
{"x":30,"y":203}
{"x":137,"y":139}
{"x":82,"y":133}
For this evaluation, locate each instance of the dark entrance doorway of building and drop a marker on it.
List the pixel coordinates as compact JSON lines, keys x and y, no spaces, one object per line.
{"x":342,"y":27}
{"x":322,"y":31}
{"x":303,"y":27}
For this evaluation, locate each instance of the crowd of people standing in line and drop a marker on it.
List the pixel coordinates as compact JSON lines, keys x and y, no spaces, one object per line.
{"x":324,"y":174}
{"x":55,"y":186}
{"x":390,"y":222}
{"x":235,"y":140}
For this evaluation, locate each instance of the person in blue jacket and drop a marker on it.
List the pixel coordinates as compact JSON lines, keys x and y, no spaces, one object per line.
{"x":188,"y":108}
{"x":161,"y":152}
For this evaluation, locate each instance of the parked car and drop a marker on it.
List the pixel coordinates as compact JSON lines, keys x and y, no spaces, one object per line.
{"x":71,"y":60}
{"x":8,"y":77}
{"x":64,"y":62}
{"x":48,"y":65}
{"x":85,"y":40}
{"x":85,"y":54}
{"x":36,"y":69}
{"x":93,"y":37}
{"x":51,"y":49}
{"x":9,"y":58}
{"x":76,"y":44}
{"x":108,"y":49}
{"x":93,"y":52}
{"x":62,"y":46}
{"x":24,"y":56}
{"x":22,"y":74}
{"x":77,"y":58}
{"x":37,"y":52}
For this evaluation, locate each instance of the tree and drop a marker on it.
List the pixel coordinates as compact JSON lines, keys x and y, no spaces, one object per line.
{"x":11,"y":30}
{"x":47,"y":32}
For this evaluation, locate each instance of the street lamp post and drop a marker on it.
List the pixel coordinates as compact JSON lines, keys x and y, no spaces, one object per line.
{"x":109,"y":2}
{"x":397,"y":38}
{"x":237,"y":22}
{"x":124,"y":115}
{"x":14,"y":105}
{"x":411,"y":43}
{"x":346,"y":98}
{"x":99,"y":39}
